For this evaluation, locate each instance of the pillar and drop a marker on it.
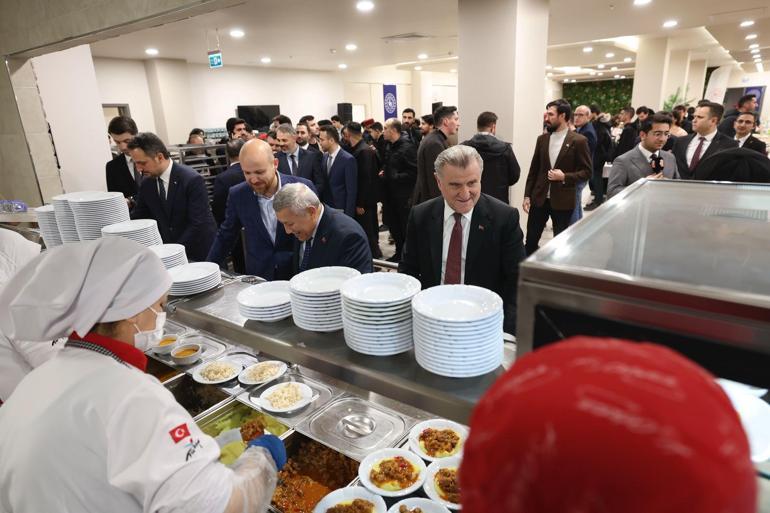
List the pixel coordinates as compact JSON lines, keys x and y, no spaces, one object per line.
{"x":652,"y":59}
{"x":676,"y":78}
{"x":696,"y":80}
{"x":171,"y":100}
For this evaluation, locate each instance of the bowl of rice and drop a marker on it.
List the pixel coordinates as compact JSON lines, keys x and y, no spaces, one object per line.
{"x":216,"y":372}
{"x":286,"y":397}
{"x":262,"y":372}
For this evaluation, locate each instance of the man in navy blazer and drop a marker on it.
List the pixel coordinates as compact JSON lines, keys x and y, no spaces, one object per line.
{"x":295,"y":161}
{"x":249,"y":206}
{"x":233,"y":175}
{"x":341,"y":172}
{"x":325,"y":237}
{"x":174,"y":195}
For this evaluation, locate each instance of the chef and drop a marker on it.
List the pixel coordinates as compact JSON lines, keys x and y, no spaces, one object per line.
{"x":89,"y":431}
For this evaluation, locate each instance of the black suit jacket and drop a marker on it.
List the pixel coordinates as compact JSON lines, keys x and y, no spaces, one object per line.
{"x":339,"y":240}
{"x":752,"y":143}
{"x":233,"y":175}
{"x":119,"y":177}
{"x":368,"y":174}
{"x":627,"y":140}
{"x":495,"y":249}
{"x":308,"y":167}
{"x":431,"y":146}
{"x":720,"y":142}
{"x":186,"y":217}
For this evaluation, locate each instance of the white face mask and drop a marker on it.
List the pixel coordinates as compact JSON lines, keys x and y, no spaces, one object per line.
{"x":144,"y":340}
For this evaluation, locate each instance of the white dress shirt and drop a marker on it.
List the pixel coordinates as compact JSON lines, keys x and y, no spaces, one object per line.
{"x":694,"y":144}
{"x":742,"y":140}
{"x":302,"y":246}
{"x":449,"y":222}
{"x":166,"y":177}
{"x":132,"y":169}
{"x":647,"y":154}
{"x":269,"y":218}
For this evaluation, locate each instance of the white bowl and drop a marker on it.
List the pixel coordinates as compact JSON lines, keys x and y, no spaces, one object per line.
{"x":348,"y":494}
{"x":414,"y":436}
{"x":166,"y":348}
{"x":430,"y":488}
{"x":186,"y":360}
{"x":372,"y":459}
{"x":426,"y":505}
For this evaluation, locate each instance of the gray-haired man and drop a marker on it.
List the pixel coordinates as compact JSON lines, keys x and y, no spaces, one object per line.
{"x":465,"y":236}
{"x":293,"y":160}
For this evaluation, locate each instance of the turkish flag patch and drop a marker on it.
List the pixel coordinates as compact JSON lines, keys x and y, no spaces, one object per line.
{"x":179,"y":433}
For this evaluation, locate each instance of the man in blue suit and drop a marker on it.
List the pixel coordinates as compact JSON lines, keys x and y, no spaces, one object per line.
{"x":341,"y":172}
{"x":325,"y":237}
{"x":583,"y":126}
{"x":295,"y":161}
{"x":250,"y":205}
{"x":233,"y":175}
{"x":174,"y":195}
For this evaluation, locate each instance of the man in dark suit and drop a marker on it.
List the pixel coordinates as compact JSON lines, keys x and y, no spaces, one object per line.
{"x":341,"y":172}
{"x":583,"y":126}
{"x":174,"y":195}
{"x":250,"y":206}
{"x":744,"y":126}
{"x":294,"y":161}
{"x":601,"y":155}
{"x":447,"y":122}
{"x":704,"y":142}
{"x":368,"y":184}
{"x":465,"y":236}
{"x":629,"y":134}
{"x":313,"y":130}
{"x":746,"y":104}
{"x":122,"y":175}
{"x":325,"y":237}
{"x":399,"y":176}
{"x":231,"y":177}
{"x":561,"y":160}
{"x":501,"y":169}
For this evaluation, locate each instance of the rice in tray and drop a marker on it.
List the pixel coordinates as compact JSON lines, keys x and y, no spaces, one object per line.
{"x":217,"y":371}
{"x":262,"y":372}
{"x":285,"y":396}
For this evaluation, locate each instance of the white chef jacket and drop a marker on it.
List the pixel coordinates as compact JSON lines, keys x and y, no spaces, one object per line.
{"x":86,"y":433}
{"x":18,"y":358}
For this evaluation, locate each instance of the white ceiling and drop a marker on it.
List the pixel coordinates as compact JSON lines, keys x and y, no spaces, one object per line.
{"x":312,"y":35}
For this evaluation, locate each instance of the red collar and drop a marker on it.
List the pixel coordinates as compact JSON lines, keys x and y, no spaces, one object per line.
{"x":125,"y":352}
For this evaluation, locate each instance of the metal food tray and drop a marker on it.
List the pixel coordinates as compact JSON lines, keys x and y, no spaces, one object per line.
{"x":211,"y":417}
{"x":186,"y":390}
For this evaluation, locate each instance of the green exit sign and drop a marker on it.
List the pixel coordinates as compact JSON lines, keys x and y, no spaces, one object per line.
{"x":215,"y":59}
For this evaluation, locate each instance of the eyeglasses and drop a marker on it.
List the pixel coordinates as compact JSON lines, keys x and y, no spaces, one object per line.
{"x":659,"y":134}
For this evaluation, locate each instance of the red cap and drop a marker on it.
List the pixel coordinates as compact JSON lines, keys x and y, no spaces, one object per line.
{"x":367,"y":123}
{"x":603,"y":425}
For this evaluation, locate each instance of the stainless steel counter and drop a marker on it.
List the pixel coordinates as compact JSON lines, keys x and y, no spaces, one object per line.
{"x":396,"y":377}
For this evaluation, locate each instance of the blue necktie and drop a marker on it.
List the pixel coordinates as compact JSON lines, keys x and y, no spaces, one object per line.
{"x":306,"y":255}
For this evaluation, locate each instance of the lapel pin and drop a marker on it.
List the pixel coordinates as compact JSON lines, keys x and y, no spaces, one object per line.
{"x":481,"y":227}
{"x":323,"y":240}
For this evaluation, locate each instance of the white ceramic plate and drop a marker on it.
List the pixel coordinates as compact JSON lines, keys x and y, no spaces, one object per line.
{"x":197,"y":373}
{"x":414,"y":436}
{"x":168,"y":250}
{"x":322,"y":280}
{"x":426,"y":505}
{"x":269,"y":294}
{"x":365,"y":468}
{"x":91,"y":196}
{"x":192,"y":273}
{"x":457,"y":303}
{"x":132,"y":226}
{"x":347,"y":495}
{"x":243,"y":376}
{"x":380,"y":288}
{"x":305,"y":392}
{"x":430,"y":488}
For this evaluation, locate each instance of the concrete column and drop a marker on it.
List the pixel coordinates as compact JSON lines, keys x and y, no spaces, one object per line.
{"x":678,"y":69}
{"x":502,"y":62}
{"x":652,"y":63}
{"x":171,"y":99}
{"x":421,"y":92}
{"x":696,"y":80}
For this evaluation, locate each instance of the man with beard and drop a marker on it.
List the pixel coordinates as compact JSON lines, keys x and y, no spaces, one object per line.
{"x":313,"y":131}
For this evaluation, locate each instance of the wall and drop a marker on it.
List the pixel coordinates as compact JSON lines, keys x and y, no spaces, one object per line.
{"x":553,"y":90}
{"x":114,"y":77}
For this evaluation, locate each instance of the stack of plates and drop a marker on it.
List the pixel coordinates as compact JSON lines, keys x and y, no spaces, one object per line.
{"x":65,"y":219}
{"x":266,"y":302}
{"x":315,"y":297}
{"x":46,"y":219}
{"x":143,"y":231}
{"x":458,"y":330}
{"x":194,"y":278}
{"x":96,"y":209}
{"x":377,"y":313}
{"x":172,"y":255}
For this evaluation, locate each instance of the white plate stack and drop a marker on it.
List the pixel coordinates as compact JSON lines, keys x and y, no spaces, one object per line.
{"x":172,"y":255}
{"x":315,"y":297}
{"x":46,"y":219}
{"x":194,"y":278}
{"x":96,"y":209}
{"x":143,"y":231}
{"x":458,"y":330}
{"x":377,"y":313}
{"x":65,"y":218}
{"x":267,"y":302}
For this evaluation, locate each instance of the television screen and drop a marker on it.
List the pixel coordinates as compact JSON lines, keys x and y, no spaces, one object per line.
{"x":258,"y":117}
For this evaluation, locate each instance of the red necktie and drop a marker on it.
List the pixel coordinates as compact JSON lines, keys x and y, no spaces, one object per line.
{"x":696,"y":155}
{"x":455,"y":253}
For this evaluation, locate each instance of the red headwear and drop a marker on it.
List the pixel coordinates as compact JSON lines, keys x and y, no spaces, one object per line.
{"x":595,"y":425}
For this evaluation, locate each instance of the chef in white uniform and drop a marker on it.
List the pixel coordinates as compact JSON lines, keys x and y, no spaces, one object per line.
{"x":17,"y":358}
{"x":89,"y":431}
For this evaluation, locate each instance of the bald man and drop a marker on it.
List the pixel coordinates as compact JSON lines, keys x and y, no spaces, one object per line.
{"x":250,"y":206}
{"x":583,"y":126}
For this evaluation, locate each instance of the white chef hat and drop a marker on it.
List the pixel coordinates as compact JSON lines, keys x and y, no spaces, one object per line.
{"x":74,"y":286}
{"x":15,"y":251}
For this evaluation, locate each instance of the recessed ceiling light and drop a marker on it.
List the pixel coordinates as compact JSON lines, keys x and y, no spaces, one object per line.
{"x":574,"y":80}
{"x":418,"y":68}
{"x":592,"y":73}
{"x":151,"y":51}
{"x":751,"y":36}
{"x":453,"y":70}
{"x":747,"y":23}
{"x":616,"y":76}
{"x":670,"y":23}
{"x":265,"y":60}
{"x":609,"y":55}
{"x":588,"y":49}
{"x":548,"y":66}
{"x":755,"y":50}
{"x":614,"y":68}
{"x":642,"y":2}
{"x":601,"y":73}
{"x":600,"y":66}
{"x":365,"y":6}
{"x":627,"y":59}
{"x":237,"y":33}
{"x":351,"y":47}
{"x":622,"y":76}
{"x":549,"y":74}
{"x":753,"y":45}
{"x":342,"y":65}
{"x":566,"y":81}
{"x":422,"y":56}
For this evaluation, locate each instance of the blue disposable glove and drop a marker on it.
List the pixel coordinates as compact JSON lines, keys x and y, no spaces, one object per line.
{"x":274,"y":445}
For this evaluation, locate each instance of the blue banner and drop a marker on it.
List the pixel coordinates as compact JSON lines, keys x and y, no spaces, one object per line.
{"x":390,"y":101}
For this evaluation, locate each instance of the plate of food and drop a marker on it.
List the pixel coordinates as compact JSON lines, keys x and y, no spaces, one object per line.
{"x":214,"y":373}
{"x":417,"y":505}
{"x":442,"y":484}
{"x":262,"y":372}
{"x":392,"y":472}
{"x":352,"y":499}
{"x":436,"y":439}
{"x":286,"y":397}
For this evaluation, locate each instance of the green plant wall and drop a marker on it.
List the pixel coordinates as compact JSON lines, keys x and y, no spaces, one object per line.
{"x":609,"y":95}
